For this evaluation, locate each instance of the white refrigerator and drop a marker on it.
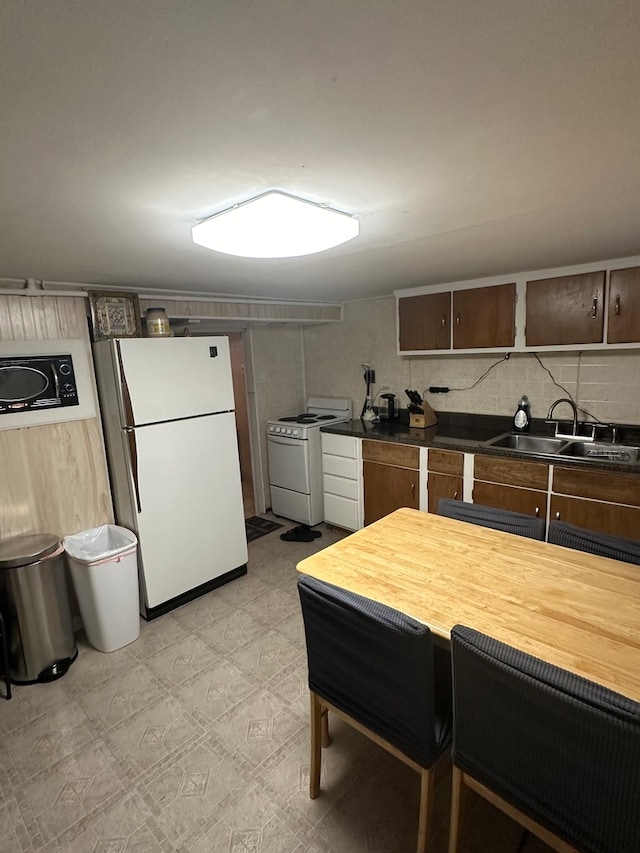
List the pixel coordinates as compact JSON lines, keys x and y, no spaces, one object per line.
{"x":168,"y":413}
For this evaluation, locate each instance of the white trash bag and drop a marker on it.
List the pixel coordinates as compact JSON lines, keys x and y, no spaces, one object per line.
{"x":103,"y":563}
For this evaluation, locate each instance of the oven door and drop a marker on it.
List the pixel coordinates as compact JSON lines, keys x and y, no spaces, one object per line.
{"x":289,"y":463}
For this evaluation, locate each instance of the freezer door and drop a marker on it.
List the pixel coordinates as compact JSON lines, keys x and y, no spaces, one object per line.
{"x":190,"y":519}
{"x":170,"y":378}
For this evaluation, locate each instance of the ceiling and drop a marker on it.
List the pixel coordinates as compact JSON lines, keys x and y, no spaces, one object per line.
{"x":469,"y":138}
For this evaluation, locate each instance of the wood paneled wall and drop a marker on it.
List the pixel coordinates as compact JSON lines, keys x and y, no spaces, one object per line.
{"x":53,"y":478}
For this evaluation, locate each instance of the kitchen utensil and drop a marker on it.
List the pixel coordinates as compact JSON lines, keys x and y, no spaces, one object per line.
{"x":387,"y":409}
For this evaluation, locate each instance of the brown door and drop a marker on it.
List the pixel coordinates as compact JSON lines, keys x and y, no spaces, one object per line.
{"x":614,"y":519}
{"x":442,"y":486}
{"x":484,"y":317}
{"x":425,"y":321}
{"x":565,"y":310}
{"x":387,"y":488}
{"x":526,"y":501}
{"x":624,"y":306}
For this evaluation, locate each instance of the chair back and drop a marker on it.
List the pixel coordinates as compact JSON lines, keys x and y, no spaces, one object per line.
{"x":488,"y":516}
{"x":374,"y":664}
{"x":571,"y":536}
{"x":561,"y":749}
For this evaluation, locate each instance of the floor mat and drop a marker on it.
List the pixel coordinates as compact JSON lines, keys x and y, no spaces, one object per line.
{"x":257,"y":527}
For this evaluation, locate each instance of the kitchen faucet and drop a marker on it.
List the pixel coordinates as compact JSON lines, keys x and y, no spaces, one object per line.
{"x":575,"y":413}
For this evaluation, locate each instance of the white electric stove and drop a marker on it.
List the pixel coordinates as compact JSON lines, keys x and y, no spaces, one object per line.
{"x":295,"y":458}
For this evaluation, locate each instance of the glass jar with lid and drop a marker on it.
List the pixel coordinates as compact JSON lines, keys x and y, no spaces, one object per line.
{"x":157,"y":323}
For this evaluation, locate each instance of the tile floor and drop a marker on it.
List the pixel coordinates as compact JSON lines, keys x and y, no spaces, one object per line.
{"x":194,"y":739}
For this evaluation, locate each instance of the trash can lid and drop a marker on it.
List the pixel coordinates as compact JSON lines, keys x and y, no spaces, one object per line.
{"x":26,"y":549}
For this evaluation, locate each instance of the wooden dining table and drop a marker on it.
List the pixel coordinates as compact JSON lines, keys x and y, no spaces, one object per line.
{"x":576,"y":610}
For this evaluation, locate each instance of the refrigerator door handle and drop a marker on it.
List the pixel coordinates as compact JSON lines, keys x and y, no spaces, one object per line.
{"x":133,"y":463}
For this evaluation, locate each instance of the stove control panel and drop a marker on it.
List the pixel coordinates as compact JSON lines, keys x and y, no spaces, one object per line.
{"x":294,"y":432}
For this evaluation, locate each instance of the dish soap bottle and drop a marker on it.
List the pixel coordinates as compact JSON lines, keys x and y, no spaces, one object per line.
{"x":522,"y":418}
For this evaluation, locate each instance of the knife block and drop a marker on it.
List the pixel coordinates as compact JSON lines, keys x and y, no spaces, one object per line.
{"x":426,"y":418}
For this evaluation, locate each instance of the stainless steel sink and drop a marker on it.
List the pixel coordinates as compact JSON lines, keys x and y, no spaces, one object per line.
{"x":602,"y":452}
{"x":528,"y":443}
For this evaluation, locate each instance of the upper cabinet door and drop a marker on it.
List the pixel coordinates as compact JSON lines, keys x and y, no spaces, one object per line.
{"x":565,"y":310}
{"x":424,"y":322}
{"x":484,"y":317}
{"x":624,"y":306}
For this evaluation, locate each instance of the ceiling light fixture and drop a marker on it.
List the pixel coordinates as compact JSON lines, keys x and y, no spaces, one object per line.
{"x":275,"y":225}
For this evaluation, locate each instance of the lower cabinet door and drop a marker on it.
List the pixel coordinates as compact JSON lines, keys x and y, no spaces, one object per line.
{"x":527,"y":501}
{"x":387,"y":488}
{"x":614,"y":519}
{"x":442,"y":486}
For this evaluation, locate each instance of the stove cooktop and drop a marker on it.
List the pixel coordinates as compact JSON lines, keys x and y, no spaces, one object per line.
{"x":306,"y":418}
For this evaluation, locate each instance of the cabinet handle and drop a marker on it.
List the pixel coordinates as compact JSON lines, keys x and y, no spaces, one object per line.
{"x":457,"y":319}
{"x":616,"y":307}
{"x":594,"y":309}
{"x":413,"y":489}
{"x":455,"y":495}
{"x":537,"y":512}
{"x":557,"y":516}
{"x":444,"y":322}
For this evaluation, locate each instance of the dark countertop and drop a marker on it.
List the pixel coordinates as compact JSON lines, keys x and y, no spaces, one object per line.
{"x":468,"y":432}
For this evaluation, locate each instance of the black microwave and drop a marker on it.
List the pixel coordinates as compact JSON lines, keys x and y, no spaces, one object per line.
{"x":30,"y":383}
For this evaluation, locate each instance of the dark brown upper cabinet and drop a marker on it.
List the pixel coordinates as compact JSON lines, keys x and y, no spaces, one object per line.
{"x":424,"y":322}
{"x":565,"y":310}
{"x":623,"y":326}
{"x":484,"y":317}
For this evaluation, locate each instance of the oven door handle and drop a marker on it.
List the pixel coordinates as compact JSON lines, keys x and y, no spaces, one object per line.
{"x":285,"y":439}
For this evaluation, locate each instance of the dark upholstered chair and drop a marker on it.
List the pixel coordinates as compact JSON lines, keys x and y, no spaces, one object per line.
{"x":570,"y":536}
{"x":374,"y":668}
{"x":498,"y":519}
{"x":556,"y":752}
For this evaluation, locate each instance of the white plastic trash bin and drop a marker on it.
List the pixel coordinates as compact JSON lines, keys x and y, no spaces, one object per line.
{"x":104,"y":567}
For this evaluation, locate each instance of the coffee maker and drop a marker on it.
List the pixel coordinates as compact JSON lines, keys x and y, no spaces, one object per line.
{"x":388,"y":408}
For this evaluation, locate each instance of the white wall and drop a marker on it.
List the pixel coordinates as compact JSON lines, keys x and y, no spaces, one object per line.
{"x":605,"y":383}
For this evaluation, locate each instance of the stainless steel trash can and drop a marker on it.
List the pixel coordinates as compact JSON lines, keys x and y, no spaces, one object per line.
{"x":35,"y":605}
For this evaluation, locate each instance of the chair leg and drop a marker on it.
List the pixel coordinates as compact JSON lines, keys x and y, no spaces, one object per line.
{"x":457,"y":797}
{"x":426,"y":805}
{"x":326,"y":737}
{"x":316,"y":745}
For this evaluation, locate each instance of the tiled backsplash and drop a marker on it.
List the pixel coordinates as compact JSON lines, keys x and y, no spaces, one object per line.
{"x":604,"y":383}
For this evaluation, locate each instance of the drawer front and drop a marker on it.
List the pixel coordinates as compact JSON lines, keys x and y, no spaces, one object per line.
{"x":509,"y":497}
{"x":511,"y":472}
{"x":342,"y":512}
{"x":340,"y":466}
{"x":400,"y":455}
{"x":340,"y":445}
{"x":340,"y":486}
{"x":617,"y":487}
{"x":446,"y":462}
{"x":613,"y":519}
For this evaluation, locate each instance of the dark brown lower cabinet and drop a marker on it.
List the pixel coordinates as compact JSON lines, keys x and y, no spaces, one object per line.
{"x":527,"y":501}
{"x":442,"y":486}
{"x":387,"y":488}
{"x":391,"y":478}
{"x":598,"y":500}
{"x":511,"y":484}
{"x":614,"y":519}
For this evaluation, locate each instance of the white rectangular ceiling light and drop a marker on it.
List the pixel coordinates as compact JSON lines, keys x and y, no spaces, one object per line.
{"x":275,"y":225}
